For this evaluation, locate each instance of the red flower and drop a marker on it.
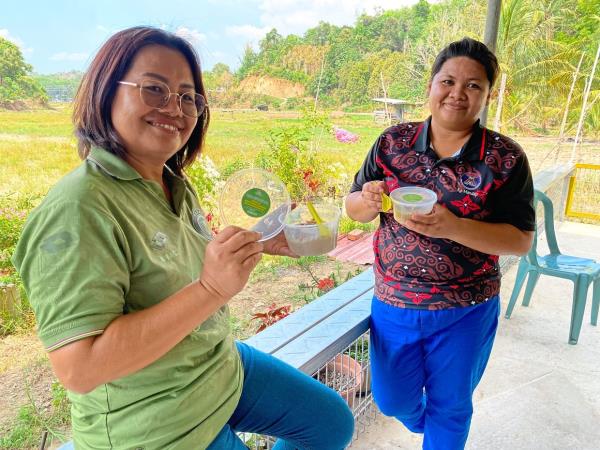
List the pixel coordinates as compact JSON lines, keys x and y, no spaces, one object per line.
{"x":209,"y":217}
{"x":325,"y":284}
{"x":313,"y":184}
{"x":465,"y":205}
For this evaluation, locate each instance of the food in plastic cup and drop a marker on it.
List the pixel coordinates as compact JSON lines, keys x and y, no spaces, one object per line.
{"x":305,"y":237}
{"x":412,"y":199}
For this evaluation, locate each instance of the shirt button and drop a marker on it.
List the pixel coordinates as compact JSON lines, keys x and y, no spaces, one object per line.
{"x":427,"y":170}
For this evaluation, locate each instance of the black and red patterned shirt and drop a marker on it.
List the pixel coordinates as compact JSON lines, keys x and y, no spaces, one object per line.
{"x":488,"y":180}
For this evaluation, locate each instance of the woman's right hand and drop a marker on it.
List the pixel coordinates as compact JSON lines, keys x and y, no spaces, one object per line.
{"x":228,"y":261}
{"x":371,"y":195}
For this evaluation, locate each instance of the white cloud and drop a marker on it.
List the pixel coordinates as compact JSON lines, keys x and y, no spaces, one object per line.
{"x":296,"y":16}
{"x":194,"y":37}
{"x":15,"y":40}
{"x":65,"y":56}
{"x":249,"y":33}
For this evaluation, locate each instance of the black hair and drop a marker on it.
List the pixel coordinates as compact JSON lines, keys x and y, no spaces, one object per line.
{"x":470,"y":48}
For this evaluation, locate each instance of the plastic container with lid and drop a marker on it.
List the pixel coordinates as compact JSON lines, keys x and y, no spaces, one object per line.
{"x":256,"y":200}
{"x":412,"y":199}
{"x":307,"y":238}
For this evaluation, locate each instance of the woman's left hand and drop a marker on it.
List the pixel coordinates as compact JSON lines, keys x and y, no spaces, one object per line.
{"x":278,"y":245}
{"x":439,"y":223}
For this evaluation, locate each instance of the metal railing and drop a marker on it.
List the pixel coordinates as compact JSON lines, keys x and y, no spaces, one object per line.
{"x":349,"y":374}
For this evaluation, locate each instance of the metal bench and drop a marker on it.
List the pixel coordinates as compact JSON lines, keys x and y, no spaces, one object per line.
{"x":313,"y":336}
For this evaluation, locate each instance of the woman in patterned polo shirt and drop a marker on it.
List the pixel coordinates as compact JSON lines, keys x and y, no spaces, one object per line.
{"x":129,"y":291}
{"x":436,"y":306}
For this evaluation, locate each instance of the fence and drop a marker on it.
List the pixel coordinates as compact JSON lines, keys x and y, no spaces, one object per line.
{"x":583,"y":199}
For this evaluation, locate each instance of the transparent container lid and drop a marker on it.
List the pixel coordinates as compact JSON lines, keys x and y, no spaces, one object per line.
{"x":256,"y":200}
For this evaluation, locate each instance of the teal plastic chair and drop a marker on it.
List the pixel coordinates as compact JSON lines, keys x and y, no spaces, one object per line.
{"x":582,"y":271}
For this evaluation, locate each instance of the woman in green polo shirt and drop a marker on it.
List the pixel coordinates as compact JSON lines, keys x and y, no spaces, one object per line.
{"x":130,"y":294}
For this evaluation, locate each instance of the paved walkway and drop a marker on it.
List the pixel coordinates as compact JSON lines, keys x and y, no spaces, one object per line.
{"x":538,"y":393}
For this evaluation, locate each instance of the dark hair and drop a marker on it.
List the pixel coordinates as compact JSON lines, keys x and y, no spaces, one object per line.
{"x":471,"y":49}
{"x":92,"y":108}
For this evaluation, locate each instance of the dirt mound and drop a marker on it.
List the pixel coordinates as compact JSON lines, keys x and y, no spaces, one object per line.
{"x":274,"y":87}
{"x":22,"y":105}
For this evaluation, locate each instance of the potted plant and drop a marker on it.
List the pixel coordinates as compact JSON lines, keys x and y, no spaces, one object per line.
{"x":343,"y":374}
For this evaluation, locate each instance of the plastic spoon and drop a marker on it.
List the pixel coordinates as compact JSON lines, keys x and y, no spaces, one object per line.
{"x":323,"y":230}
{"x":386,"y":202}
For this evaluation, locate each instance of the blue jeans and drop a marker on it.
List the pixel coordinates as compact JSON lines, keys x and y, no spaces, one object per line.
{"x":278,"y":400}
{"x":426,"y":364}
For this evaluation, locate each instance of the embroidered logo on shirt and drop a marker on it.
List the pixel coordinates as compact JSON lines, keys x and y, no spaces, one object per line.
{"x":470,"y":181}
{"x":57,"y":242}
{"x":159,"y":241}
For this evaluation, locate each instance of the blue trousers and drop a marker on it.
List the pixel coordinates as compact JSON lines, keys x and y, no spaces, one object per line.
{"x":278,"y":400}
{"x":426,"y":364}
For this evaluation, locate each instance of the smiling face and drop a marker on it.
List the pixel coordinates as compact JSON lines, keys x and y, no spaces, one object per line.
{"x":151,"y":136}
{"x":458,"y":93}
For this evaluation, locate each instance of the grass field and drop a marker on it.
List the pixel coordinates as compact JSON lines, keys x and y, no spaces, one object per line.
{"x":38,"y":147}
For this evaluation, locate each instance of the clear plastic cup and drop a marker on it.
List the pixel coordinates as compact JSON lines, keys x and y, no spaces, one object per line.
{"x":412,"y":199}
{"x":305,"y":237}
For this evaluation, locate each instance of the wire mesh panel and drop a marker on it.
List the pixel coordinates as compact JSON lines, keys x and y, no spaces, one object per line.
{"x":584,"y":192}
{"x":349,"y":374}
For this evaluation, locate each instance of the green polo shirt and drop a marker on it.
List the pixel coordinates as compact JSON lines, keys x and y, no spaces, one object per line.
{"x":103,"y":243}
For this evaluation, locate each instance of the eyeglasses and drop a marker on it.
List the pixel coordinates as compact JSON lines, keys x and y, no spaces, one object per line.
{"x":157,"y":94}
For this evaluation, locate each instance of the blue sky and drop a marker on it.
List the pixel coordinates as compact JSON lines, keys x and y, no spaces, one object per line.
{"x":63,"y":35}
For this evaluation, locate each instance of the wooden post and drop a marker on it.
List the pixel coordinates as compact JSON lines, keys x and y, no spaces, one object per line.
{"x":388,"y":116}
{"x":490,"y":37}
{"x":563,"y":124}
{"x":586,"y":93}
{"x":319,"y":82}
{"x":500,"y":99}
{"x":9,"y":299}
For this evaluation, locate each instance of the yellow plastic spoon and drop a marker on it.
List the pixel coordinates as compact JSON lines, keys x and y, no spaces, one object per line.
{"x":323,"y":229}
{"x":386,"y":202}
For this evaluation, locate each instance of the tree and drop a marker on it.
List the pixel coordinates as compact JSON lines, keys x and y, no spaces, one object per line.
{"x":16,"y":82}
{"x":247,"y":64}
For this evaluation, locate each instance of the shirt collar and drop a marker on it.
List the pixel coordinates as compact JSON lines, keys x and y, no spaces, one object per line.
{"x":472,"y":150}
{"x":113,"y":164}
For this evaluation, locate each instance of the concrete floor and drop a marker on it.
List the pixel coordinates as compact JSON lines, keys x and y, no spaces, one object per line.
{"x":538,"y":392}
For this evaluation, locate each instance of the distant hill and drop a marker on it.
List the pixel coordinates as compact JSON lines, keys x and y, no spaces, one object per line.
{"x":390,"y":54}
{"x":60,"y":87}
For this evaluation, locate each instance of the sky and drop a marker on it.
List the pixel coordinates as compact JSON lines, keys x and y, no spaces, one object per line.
{"x":63,"y":35}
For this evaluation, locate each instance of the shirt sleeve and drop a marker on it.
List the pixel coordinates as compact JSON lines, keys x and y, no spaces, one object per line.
{"x":369,"y":170}
{"x":72,"y":260}
{"x":513,"y":201}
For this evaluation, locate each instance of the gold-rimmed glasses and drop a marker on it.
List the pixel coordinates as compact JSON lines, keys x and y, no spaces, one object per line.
{"x":157,"y":94}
